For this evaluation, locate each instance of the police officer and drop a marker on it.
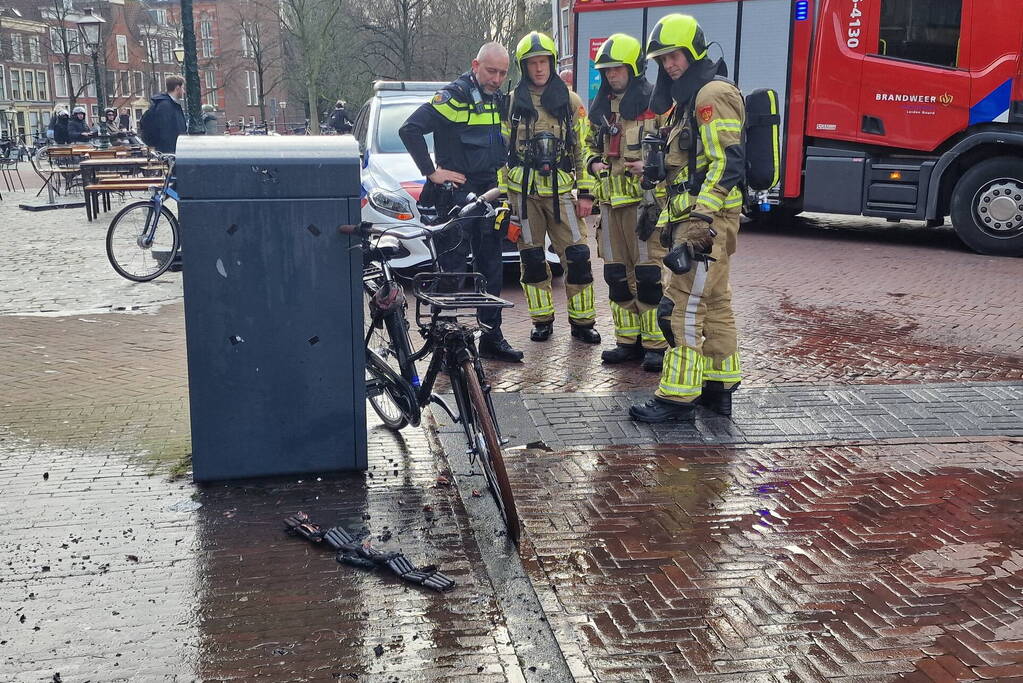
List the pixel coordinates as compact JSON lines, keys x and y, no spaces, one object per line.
{"x":706,"y":164}
{"x":465,"y":119}
{"x":628,"y":239}
{"x":547,"y":161}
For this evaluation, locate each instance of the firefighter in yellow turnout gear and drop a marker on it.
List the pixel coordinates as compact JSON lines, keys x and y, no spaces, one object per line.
{"x":706,"y":165}
{"x":628,"y":238}
{"x":547,"y":130}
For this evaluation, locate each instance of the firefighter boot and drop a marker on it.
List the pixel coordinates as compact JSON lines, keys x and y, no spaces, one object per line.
{"x":622,"y":353}
{"x":716,"y":398}
{"x":653,"y":360}
{"x":587,"y":335}
{"x":542,"y":331}
{"x":657,"y":411}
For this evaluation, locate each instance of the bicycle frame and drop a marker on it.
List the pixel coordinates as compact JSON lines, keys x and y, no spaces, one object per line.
{"x":159,"y":196}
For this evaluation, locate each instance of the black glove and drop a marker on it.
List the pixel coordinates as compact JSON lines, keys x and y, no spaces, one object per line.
{"x":647,"y":222}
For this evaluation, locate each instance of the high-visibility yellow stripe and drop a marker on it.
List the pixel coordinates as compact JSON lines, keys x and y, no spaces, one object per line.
{"x":728,"y":370}
{"x":627,"y":323}
{"x":581,"y":306}
{"x":538,"y":301}
{"x":682,"y":373}
{"x":540,"y":185}
{"x":648,"y":326}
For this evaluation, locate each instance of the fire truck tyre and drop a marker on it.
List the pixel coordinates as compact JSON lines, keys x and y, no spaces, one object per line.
{"x":987,"y":207}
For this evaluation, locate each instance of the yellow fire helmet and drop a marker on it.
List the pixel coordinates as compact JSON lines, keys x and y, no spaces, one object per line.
{"x":620,"y":50}
{"x":534,"y":45}
{"x":677,"y":32}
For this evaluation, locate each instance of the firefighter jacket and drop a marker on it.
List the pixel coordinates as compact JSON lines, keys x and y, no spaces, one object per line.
{"x":466,"y":132}
{"x":571,"y":171}
{"x":618,"y":186}
{"x":718,"y":114}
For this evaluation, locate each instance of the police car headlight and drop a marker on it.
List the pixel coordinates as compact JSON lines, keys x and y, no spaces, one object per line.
{"x":391,"y":204}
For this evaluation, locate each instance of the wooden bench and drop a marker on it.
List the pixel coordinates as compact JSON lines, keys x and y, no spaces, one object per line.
{"x":105,"y":187}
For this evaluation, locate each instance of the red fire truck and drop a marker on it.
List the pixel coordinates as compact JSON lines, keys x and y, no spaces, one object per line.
{"x":903,"y":109}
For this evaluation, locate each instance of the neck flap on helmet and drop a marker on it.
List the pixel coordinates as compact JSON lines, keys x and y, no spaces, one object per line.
{"x":683,"y":91}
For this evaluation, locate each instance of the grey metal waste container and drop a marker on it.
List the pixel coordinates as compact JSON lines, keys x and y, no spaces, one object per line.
{"x":273,"y":305}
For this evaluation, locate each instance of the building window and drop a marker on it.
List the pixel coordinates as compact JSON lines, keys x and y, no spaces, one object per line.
{"x":76,"y":79}
{"x":248,"y":50}
{"x":42,"y":88}
{"x":251,"y":89}
{"x":65,"y":41}
{"x":160,"y":16}
{"x":15,"y":84}
{"x":29,"y":78}
{"x":3,"y":84}
{"x":210,"y":97}
{"x":59,"y":81}
{"x":140,"y":84}
{"x":925,"y":32}
{"x":206,"y":36}
{"x":110,"y":83}
{"x":17,"y":48}
{"x":122,"y":49}
{"x":34,"y":54}
{"x":566,"y":34}
{"x":153,"y":50}
{"x":125,"y":83}
{"x":166,"y":52}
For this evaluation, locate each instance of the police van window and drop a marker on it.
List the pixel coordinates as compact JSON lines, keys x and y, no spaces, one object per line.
{"x":361,"y":120}
{"x":921,"y":30}
{"x":389,"y":120}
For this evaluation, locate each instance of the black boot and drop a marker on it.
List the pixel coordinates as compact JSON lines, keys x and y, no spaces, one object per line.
{"x":586,"y":334}
{"x":657,"y":411}
{"x":500,"y":350}
{"x":541,"y":331}
{"x":716,"y":398}
{"x":622,"y":353}
{"x":653,"y":360}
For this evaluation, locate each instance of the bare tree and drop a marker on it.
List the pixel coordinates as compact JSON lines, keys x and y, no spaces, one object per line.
{"x":65,"y":43}
{"x":262,"y":49}
{"x":311,"y":24}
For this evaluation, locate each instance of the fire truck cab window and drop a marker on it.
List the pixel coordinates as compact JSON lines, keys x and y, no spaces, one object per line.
{"x":921,"y":30}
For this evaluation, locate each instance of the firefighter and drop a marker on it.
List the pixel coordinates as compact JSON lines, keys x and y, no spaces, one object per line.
{"x":628,"y":239}
{"x":547,"y":128}
{"x":465,"y":119}
{"x":706,"y":165}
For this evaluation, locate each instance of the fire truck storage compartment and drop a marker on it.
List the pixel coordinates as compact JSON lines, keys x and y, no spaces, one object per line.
{"x":834,"y":181}
{"x":897,"y":187}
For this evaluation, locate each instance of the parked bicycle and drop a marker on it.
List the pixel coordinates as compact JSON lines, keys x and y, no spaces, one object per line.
{"x":393,"y":386}
{"x":144,"y":236}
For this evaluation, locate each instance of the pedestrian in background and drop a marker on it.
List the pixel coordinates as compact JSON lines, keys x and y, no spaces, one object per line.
{"x":209,"y":119}
{"x":77,"y":128}
{"x":339,"y":120}
{"x":124,"y":120}
{"x":165,"y":119}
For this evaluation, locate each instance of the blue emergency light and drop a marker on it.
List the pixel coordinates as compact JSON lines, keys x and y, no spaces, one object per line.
{"x":802,"y":10}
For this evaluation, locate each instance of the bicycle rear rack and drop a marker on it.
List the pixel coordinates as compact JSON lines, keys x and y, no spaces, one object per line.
{"x":425,"y":286}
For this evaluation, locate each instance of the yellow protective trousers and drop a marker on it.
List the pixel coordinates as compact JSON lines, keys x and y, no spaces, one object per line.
{"x":697,"y":320}
{"x":634,"y":274}
{"x":568,"y":237}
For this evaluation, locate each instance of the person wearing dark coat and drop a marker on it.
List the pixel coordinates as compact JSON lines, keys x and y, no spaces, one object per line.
{"x":124,"y":120}
{"x":167,"y":117}
{"x":339,"y":120}
{"x":77,"y":129}
{"x":59,"y":127}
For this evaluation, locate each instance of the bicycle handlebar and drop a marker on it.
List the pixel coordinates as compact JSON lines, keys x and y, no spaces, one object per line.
{"x":411,"y":231}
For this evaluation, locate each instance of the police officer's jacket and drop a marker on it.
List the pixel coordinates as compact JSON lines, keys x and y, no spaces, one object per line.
{"x":572,"y":174}
{"x":718,"y":114}
{"x":466,"y":127}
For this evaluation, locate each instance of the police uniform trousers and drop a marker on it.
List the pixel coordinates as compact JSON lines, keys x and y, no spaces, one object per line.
{"x":696,"y":318}
{"x":634,"y":274}
{"x":475,"y":235}
{"x":568,"y":236}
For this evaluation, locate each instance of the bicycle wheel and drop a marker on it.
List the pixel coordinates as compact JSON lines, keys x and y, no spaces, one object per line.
{"x":489,"y":448}
{"x":132,"y":255}
{"x":389,"y":340}
{"x":393,"y":399}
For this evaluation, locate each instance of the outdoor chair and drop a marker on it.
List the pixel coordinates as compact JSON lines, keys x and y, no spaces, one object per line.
{"x":9,"y":168}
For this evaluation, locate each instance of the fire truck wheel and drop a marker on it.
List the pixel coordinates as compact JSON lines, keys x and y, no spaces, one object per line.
{"x":987,"y":207}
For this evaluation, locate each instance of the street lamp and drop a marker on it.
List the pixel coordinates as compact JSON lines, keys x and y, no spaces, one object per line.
{"x":91,"y":26}
{"x":179,"y":55}
{"x":284,"y":118}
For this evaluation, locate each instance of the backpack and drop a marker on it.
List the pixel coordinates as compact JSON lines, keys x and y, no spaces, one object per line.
{"x":761,"y":141}
{"x":763,"y":146}
{"x":147,"y":127}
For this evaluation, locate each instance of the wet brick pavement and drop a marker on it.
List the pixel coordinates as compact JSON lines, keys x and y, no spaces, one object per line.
{"x":730,"y":559}
{"x":773,"y":415}
{"x":108,"y":574}
{"x":792,"y":563}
